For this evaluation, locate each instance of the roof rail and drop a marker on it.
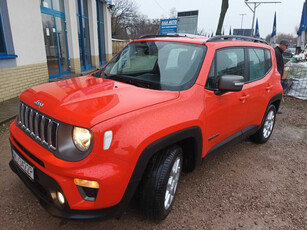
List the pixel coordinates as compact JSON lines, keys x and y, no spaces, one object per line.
{"x":158,"y":35}
{"x":236,"y":37}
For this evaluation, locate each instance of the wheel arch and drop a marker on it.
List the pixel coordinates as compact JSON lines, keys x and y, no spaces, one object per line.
{"x":276,"y":100}
{"x":188,"y":139}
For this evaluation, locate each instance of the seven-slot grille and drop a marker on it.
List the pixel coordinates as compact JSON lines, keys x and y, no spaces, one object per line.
{"x":38,"y":126}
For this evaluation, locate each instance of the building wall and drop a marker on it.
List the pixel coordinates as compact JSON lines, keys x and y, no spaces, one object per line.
{"x":108,"y":32}
{"x":14,"y":80}
{"x":30,"y":67}
{"x":72,"y":34}
{"x":27,"y":31}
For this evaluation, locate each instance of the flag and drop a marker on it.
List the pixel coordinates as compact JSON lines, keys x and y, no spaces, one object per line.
{"x":273,"y":35}
{"x":302,"y":28}
{"x":230,"y":31}
{"x":257,"y":35}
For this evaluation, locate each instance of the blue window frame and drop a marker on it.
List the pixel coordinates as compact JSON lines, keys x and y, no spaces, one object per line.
{"x":101,"y":37}
{"x":84,"y":35}
{"x":2,"y":41}
{"x":55,"y":9}
{"x":6,"y":44}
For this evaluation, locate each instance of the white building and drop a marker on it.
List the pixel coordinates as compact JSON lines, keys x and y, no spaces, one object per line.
{"x":43,"y":39}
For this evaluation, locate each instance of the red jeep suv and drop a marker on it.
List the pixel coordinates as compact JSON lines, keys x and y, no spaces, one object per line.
{"x":86,"y":145}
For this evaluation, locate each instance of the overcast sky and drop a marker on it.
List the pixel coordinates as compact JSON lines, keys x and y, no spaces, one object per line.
{"x":288,"y":13}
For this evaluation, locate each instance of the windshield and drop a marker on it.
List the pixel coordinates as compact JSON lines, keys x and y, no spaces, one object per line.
{"x":157,"y":65}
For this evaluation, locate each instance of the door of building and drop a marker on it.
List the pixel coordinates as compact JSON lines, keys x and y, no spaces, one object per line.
{"x":84,"y":35}
{"x":101,"y":36}
{"x":55,"y":36}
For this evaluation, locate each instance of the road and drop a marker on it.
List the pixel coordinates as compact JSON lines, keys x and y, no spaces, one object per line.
{"x":246,"y":186}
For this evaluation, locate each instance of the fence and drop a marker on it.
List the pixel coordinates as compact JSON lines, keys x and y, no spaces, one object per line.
{"x":118,"y":44}
{"x":295,"y":80}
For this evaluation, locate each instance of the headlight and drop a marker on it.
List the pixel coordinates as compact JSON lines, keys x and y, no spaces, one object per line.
{"x":82,"y":138}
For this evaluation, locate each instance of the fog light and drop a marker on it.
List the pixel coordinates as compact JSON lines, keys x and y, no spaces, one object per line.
{"x":86,"y":183}
{"x":60,"y":198}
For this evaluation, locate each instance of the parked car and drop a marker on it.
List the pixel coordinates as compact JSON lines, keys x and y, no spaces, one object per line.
{"x":289,"y":53}
{"x":85,"y":146}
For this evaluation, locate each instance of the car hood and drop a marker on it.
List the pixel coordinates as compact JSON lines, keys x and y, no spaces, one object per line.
{"x":86,"y":101}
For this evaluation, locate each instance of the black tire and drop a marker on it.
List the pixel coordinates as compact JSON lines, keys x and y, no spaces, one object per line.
{"x":266,"y":129}
{"x":154,"y":183}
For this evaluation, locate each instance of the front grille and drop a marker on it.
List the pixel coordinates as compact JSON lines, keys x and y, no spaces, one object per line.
{"x":38,"y":126}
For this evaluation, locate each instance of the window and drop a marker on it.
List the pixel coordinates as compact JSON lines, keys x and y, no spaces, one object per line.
{"x":256,"y":64}
{"x":268,"y":60}
{"x":6,"y":41}
{"x":2,"y":44}
{"x":260,"y":63}
{"x":57,"y":5}
{"x":229,"y":61}
{"x":84,"y":35}
{"x":101,"y":35}
{"x":157,"y":65}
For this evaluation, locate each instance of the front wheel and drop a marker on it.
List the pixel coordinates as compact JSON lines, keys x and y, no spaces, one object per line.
{"x":266,"y":129}
{"x":159,"y":185}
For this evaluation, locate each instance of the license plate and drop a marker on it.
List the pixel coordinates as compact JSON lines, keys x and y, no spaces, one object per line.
{"x":24,"y":166}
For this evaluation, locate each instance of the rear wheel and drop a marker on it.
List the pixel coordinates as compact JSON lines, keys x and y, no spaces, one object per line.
{"x":266,"y":129}
{"x":159,"y":185}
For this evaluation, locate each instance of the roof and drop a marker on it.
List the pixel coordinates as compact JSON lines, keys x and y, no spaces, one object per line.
{"x":199,"y":40}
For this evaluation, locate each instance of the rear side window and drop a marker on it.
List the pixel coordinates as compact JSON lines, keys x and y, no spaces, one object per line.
{"x":256,"y":64}
{"x":268,"y":60}
{"x":228,"y":61}
{"x":260,"y":63}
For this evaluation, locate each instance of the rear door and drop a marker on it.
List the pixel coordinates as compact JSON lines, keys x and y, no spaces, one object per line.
{"x":258,"y":85}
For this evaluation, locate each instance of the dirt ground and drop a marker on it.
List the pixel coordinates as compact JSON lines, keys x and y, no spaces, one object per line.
{"x":246,"y":186}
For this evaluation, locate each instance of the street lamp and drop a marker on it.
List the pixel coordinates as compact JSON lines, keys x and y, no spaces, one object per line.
{"x":242,"y":15}
{"x":256,"y":4}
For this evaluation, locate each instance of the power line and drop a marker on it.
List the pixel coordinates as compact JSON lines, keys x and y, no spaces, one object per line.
{"x":161,"y":7}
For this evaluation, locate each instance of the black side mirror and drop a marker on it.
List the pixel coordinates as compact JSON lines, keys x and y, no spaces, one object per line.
{"x":232,"y":83}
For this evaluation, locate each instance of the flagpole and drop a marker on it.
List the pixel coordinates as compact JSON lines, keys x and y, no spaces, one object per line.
{"x":256,"y":4}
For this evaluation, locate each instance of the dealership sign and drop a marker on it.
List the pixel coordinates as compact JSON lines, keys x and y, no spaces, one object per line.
{"x":168,"y":26}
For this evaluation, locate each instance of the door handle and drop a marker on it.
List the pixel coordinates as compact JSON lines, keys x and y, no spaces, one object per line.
{"x":244,"y":98}
{"x":268,"y":88}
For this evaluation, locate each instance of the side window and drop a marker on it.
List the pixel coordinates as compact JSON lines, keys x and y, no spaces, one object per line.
{"x":268,"y":60}
{"x":228,"y":61}
{"x":211,"y":77}
{"x":256,"y":63}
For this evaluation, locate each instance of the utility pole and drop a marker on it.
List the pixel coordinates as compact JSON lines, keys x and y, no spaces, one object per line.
{"x":255,"y":5}
{"x":242,"y":15}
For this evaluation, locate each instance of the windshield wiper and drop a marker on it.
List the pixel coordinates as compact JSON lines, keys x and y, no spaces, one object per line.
{"x":100,"y":74}
{"x":134,"y":81}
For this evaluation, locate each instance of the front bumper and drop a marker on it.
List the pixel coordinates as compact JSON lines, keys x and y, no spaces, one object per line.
{"x":112,"y":199}
{"x":42,"y":186}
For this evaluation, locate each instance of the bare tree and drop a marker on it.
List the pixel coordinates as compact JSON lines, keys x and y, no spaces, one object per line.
{"x":224,"y":9}
{"x":281,"y":36}
{"x":173,"y":12}
{"x":123,"y":14}
{"x":142,"y":26}
{"x":128,"y":23}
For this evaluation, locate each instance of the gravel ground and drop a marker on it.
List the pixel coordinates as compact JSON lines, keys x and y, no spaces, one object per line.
{"x":247,"y":186}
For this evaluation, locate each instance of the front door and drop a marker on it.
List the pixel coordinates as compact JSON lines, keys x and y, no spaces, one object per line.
{"x":226,"y":112}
